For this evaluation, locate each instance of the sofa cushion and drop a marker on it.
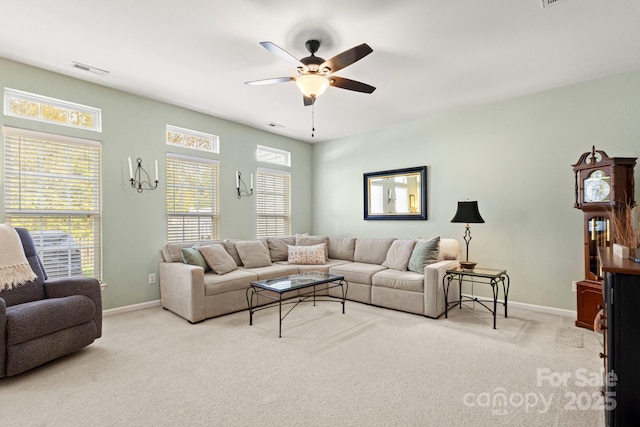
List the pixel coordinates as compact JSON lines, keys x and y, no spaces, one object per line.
{"x":357,"y":271}
{"x":306,"y":255}
{"x":171,"y":252}
{"x":424,"y":253}
{"x":304,"y":240}
{"x":399,"y":254}
{"x":218,"y":259}
{"x":372,"y":251}
{"x":272,"y":271}
{"x":253,"y":254}
{"x":27,"y":292}
{"x":404,"y":280}
{"x":192,"y":256}
{"x":302,"y":268}
{"x":342,"y":248}
{"x":279,"y":247}
{"x":233,"y":281}
{"x":38,"y":318}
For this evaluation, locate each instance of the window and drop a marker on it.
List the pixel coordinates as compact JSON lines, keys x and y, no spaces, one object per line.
{"x":44,"y":109}
{"x":192,"y":198}
{"x":52,"y":188}
{"x":273,"y":155}
{"x":274,"y":202}
{"x":192,"y":139}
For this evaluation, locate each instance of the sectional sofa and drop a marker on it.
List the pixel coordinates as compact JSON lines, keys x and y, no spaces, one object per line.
{"x":379,"y":271}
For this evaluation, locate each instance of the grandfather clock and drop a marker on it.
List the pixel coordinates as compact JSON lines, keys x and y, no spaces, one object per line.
{"x":602,"y":184}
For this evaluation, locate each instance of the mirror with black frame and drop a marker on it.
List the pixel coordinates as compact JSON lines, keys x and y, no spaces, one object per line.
{"x":398,"y":194}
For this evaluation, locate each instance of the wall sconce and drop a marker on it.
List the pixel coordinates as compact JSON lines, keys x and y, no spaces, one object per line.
{"x":243,"y":192}
{"x":136,"y":179}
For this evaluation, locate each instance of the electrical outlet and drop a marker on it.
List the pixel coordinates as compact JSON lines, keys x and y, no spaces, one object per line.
{"x":152,"y":278}
{"x":574,"y":286}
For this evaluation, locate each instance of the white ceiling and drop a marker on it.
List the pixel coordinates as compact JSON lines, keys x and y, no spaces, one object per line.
{"x":428,"y":56}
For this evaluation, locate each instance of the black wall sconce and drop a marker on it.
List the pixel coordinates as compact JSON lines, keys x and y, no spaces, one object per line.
{"x":243,"y":192}
{"x":137,"y":179}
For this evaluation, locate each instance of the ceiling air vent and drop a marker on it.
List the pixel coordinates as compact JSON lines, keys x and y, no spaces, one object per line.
{"x":546,"y":3}
{"x":90,"y":69}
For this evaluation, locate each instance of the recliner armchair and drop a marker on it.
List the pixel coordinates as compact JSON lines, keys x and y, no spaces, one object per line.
{"x":43,"y":320}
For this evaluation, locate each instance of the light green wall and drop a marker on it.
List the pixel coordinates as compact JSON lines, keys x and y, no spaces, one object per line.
{"x":514,"y":157}
{"x":134,"y":223}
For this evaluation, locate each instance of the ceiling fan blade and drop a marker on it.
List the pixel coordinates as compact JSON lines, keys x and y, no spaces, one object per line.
{"x":349,"y":84}
{"x":347,"y":57}
{"x":307,"y":100}
{"x":283,"y":54}
{"x":269,"y":81}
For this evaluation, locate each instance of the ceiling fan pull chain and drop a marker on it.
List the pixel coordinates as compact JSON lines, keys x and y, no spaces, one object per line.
{"x":313,"y":117}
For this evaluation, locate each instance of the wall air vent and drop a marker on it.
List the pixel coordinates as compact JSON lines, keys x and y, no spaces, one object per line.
{"x":546,"y":3}
{"x":89,"y":69}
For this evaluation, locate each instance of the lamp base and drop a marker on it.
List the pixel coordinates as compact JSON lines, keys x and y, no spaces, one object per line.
{"x":467,"y":265}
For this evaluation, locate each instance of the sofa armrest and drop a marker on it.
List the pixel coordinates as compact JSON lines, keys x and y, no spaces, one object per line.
{"x":3,"y":338}
{"x":433,"y":287}
{"x":89,"y":287}
{"x":182,"y":290}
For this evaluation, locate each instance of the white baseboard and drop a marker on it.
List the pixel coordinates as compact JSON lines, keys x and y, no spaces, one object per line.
{"x":544,"y":309}
{"x":540,"y":308}
{"x":128,"y":308}
{"x":522,"y":305}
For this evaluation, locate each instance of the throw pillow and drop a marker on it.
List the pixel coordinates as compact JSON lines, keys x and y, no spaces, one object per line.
{"x":279,"y":247}
{"x":424,"y":253}
{"x":193,"y":256}
{"x":305,"y":240}
{"x":314,"y":254}
{"x":253,"y":254}
{"x":399,"y":254}
{"x":218,"y":259}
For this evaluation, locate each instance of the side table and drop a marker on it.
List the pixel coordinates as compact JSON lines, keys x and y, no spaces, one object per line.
{"x":486,"y":276}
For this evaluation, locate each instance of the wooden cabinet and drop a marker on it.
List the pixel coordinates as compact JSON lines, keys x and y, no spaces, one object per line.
{"x":602,"y":184}
{"x":621,"y":318}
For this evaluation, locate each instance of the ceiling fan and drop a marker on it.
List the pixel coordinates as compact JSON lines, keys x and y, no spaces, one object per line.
{"x":315,"y":74}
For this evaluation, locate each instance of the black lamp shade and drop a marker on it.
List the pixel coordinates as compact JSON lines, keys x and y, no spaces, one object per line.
{"x":468,"y":213}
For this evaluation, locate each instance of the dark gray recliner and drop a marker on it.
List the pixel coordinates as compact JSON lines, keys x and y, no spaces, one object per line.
{"x":46,"y":319}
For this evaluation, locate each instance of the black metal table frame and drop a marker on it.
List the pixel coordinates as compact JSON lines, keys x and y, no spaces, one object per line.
{"x":256,"y":290}
{"x":494,"y":281}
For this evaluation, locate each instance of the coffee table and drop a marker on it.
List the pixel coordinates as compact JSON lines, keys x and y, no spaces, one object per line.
{"x":273,"y":289}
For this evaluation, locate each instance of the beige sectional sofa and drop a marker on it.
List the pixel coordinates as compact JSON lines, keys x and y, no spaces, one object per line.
{"x":196,"y":295}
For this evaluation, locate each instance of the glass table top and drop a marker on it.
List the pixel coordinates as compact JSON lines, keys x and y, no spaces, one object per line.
{"x":296,"y":281}
{"x":479,"y":271}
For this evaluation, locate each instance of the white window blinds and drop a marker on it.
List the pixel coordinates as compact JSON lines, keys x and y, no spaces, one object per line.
{"x":52,"y":188}
{"x":274,"y":202}
{"x":192,"y":198}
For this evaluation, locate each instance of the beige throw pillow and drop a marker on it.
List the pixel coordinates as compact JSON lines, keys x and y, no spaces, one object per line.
{"x":399,"y":254}
{"x":253,"y":254}
{"x":218,"y":259}
{"x":304,"y":240}
{"x":307,"y":255}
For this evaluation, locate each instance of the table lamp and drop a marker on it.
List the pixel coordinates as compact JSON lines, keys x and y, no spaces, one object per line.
{"x":467,"y":213}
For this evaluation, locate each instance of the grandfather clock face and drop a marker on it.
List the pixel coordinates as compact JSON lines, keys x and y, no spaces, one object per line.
{"x":597,"y":187}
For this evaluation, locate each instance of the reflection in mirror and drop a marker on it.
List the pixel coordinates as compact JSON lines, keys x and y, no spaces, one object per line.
{"x":395,"y":194}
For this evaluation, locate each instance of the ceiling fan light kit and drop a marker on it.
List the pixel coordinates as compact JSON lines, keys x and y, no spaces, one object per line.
{"x":312,"y":85}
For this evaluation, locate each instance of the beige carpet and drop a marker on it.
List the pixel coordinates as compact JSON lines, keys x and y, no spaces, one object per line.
{"x":368,"y":367}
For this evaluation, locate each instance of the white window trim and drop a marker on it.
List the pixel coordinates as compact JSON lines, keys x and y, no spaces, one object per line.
{"x":96,"y":112}
{"x":286,"y":154}
{"x":216,"y":139}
